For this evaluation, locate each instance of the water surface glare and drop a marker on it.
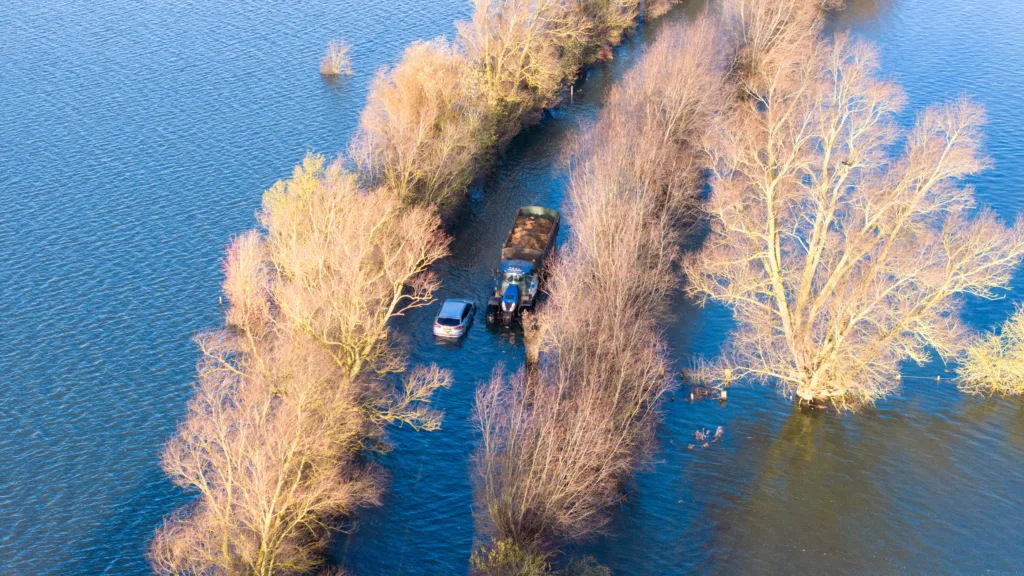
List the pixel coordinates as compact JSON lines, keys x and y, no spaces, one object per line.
{"x":137,"y":137}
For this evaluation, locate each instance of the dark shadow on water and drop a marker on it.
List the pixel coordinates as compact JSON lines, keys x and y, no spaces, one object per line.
{"x":338,"y":85}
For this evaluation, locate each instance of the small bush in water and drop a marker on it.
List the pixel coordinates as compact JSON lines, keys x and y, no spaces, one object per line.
{"x":995,"y":365}
{"x":336,"y":59}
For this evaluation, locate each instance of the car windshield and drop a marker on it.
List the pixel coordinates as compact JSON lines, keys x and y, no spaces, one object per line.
{"x":448,"y":321}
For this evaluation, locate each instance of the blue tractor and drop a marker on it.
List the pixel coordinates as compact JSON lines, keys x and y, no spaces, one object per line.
{"x":522,"y":260}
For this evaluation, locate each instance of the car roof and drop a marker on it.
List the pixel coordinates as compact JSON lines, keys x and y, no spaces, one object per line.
{"x":452,"y":307}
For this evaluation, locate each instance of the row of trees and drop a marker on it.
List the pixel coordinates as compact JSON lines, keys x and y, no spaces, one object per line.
{"x":559,"y":438}
{"x":291,"y":391}
{"x":437,"y":119}
{"x":295,"y":389}
{"x":843,"y":243}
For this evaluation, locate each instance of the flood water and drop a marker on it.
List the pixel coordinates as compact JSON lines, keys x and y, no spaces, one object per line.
{"x":137,"y":137}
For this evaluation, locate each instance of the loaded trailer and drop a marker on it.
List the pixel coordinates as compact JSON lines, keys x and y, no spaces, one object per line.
{"x":522,"y":260}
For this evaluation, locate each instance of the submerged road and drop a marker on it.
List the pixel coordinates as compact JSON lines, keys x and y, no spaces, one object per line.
{"x":426,"y":524}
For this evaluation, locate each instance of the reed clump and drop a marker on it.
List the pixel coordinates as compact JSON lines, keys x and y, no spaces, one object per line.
{"x":336,"y":60}
{"x":995,"y":363}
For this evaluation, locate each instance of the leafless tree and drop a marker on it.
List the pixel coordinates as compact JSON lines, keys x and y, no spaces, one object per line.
{"x":288,"y":394}
{"x":522,"y":51}
{"x":336,"y":59}
{"x":839,"y":260}
{"x":349,"y":260}
{"x":610,"y":21}
{"x":768,"y":34}
{"x":658,"y":8}
{"x":420,"y":134}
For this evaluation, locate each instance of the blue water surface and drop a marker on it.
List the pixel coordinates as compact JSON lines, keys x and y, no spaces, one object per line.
{"x":137,"y":137}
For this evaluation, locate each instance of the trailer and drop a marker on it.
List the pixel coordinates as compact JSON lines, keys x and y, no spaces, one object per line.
{"x":523,"y":254}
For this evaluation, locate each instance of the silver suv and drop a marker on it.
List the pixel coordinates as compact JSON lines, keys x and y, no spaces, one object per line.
{"x":454,"y":318}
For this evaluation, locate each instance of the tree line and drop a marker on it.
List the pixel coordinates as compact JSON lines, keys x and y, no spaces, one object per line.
{"x":559,"y":437}
{"x":298,"y":386}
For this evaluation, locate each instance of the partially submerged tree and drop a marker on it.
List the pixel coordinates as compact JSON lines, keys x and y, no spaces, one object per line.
{"x":839,"y":260}
{"x":348,"y":260}
{"x":995,"y":364}
{"x":549,"y":463}
{"x":610,"y":20}
{"x":522,"y":51}
{"x":289,"y":392}
{"x":420,"y":134}
{"x":336,"y":59}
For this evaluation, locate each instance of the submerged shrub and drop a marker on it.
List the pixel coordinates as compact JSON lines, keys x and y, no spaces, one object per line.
{"x":586,"y":566}
{"x":336,"y":60}
{"x":657,"y":8}
{"x":995,"y":364}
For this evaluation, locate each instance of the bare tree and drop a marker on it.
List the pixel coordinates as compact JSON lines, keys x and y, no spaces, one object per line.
{"x":610,"y":21}
{"x":768,"y":34}
{"x":420,"y":134}
{"x":287,"y":394}
{"x":840,"y":261}
{"x":349,"y":260}
{"x":658,"y":8}
{"x":995,"y":364}
{"x":545,"y":460}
